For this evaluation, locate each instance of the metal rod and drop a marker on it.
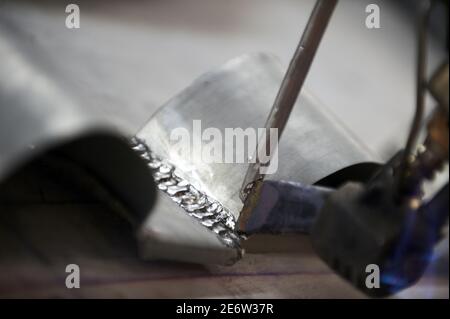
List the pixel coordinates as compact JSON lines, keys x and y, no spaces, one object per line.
{"x":291,"y":85}
{"x":422,"y":38}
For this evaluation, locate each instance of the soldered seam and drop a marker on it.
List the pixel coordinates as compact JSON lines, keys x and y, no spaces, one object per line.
{"x":207,"y":211}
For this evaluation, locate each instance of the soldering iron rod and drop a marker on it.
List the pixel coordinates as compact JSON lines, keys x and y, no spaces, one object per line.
{"x":291,"y":85}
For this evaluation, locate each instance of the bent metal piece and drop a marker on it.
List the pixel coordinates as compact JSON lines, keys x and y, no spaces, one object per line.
{"x":199,"y":202}
{"x":41,"y":113}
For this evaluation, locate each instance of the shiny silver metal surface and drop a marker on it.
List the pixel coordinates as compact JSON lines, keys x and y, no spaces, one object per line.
{"x":40,"y":111}
{"x":237,"y":95}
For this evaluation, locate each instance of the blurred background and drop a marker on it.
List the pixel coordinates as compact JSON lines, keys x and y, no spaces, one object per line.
{"x":150,"y":50}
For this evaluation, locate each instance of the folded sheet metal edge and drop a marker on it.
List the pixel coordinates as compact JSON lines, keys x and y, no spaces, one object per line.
{"x":206,"y":210}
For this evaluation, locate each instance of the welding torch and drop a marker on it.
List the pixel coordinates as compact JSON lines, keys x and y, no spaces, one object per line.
{"x":382,"y":222}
